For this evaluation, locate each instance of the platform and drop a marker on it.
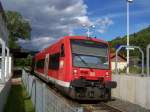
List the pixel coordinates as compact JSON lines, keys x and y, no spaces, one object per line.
{"x":132,"y":88}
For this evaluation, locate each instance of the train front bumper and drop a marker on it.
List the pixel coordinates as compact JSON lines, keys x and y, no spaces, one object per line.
{"x":91,"y":90}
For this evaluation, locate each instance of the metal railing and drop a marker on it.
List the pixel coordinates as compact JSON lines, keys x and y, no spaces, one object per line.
{"x":5,"y":62}
{"x":129,"y":47}
{"x":147,"y":60}
{"x":43,"y":99}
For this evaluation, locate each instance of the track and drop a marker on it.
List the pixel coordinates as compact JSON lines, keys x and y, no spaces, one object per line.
{"x":101,"y":107}
{"x":88,"y":106}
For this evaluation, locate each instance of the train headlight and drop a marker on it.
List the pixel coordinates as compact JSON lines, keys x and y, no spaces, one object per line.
{"x":75,"y":71}
{"x":107,"y":74}
{"x":61,"y":64}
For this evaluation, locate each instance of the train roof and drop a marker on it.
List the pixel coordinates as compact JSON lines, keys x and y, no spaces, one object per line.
{"x":73,"y":37}
{"x":85,"y":37}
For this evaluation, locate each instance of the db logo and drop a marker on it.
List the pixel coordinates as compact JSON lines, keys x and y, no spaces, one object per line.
{"x":92,"y":73}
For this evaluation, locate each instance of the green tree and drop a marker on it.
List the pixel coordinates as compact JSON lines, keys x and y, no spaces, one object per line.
{"x":141,"y":39}
{"x":18,"y":28}
{"x":22,"y":62}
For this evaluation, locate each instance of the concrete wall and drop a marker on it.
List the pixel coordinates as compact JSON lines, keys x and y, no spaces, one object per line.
{"x":134,"y":89}
{"x":4,"y":91}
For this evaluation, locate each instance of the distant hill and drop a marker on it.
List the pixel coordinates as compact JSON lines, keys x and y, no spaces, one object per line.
{"x":141,"y":39}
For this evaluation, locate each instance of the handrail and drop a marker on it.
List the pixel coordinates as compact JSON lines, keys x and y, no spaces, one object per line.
{"x":3,"y":61}
{"x":147,"y":59}
{"x":125,"y":46}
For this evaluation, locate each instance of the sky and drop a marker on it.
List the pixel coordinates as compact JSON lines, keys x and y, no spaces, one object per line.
{"x":53,"y":19}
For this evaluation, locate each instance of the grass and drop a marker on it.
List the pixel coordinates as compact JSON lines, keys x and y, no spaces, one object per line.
{"x":18,"y":100}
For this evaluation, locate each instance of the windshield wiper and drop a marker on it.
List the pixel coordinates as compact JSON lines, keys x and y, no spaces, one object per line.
{"x":83,"y":61}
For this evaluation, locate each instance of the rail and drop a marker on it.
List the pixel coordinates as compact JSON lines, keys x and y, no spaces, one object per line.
{"x":100,"y":107}
{"x":129,"y":47}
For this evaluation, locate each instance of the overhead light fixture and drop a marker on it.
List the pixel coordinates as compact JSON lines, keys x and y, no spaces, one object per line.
{"x":130,"y":1}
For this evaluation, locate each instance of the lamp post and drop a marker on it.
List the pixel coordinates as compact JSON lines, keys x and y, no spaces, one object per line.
{"x":88,"y":29}
{"x":128,"y":30}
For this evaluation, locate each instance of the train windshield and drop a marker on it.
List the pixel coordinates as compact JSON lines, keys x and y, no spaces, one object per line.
{"x":90,"y":54}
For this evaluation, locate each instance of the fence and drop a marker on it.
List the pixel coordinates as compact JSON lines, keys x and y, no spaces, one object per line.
{"x":43,"y":98}
{"x":5,"y":63}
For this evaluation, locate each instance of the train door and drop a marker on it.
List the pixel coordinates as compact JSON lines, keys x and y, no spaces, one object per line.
{"x":61,"y":63}
{"x":46,"y":65}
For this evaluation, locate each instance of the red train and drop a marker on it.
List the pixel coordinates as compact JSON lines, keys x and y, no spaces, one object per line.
{"x":78,"y":66}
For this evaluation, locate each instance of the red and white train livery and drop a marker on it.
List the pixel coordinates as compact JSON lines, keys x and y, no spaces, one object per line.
{"x":79,"y":66}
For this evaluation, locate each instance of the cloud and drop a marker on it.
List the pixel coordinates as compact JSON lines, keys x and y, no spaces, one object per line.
{"x":84,"y":20}
{"x":103,"y":24}
{"x":50,"y":18}
{"x":37,"y":44}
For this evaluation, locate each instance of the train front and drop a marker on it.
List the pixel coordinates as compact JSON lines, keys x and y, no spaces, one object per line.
{"x":91,"y":70}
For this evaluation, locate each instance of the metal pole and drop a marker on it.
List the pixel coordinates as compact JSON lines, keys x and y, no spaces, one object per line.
{"x":3,"y":61}
{"x":128,"y":36}
{"x":7,"y":63}
{"x":142,"y":57}
{"x":123,"y":46}
{"x":142,"y":61}
{"x":88,"y":32}
{"x":147,"y":57}
{"x":88,"y":29}
{"x":116,"y":61}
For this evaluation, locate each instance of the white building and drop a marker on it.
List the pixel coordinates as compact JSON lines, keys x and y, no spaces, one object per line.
{"x":122,"y":62}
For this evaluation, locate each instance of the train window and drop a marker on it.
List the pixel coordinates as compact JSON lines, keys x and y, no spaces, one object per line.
{"x":40,"y":63}
{"x":54,"y":61}
{"x":62,"y":50}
